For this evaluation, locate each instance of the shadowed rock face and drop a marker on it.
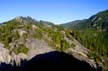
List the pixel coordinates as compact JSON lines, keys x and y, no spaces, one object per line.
{"x":57,"y":60}
{"x":49,"y":61}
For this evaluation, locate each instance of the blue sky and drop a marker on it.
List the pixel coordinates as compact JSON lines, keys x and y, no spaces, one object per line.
{"x":56,"y":11}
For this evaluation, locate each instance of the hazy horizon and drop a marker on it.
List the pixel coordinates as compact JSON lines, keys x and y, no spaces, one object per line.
{"x":56,"y":11}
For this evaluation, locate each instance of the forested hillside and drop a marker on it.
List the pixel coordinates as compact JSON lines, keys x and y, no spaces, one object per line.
{"x":93,"y":34}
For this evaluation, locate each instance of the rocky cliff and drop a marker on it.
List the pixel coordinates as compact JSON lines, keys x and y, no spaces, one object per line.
{"x":24,"y":38}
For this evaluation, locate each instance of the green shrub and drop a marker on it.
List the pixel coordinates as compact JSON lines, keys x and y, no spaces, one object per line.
{"x":38,"y":34}
{"x":22,"y":49}
{"x":72,"y":45}
{"x":64,"y":45}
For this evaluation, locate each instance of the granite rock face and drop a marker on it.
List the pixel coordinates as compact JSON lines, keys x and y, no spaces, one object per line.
{"x":4,"y":54}
{"x":13,"y":58}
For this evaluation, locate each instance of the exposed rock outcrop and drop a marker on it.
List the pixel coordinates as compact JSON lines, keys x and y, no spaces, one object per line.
{"x":4,"y":54}
{"x":37,"y":47}
{"x":6,"y":57}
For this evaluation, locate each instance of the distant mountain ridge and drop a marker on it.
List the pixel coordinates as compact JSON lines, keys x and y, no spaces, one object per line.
{"x":73,"y":24}
{"x":98,"y":20}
